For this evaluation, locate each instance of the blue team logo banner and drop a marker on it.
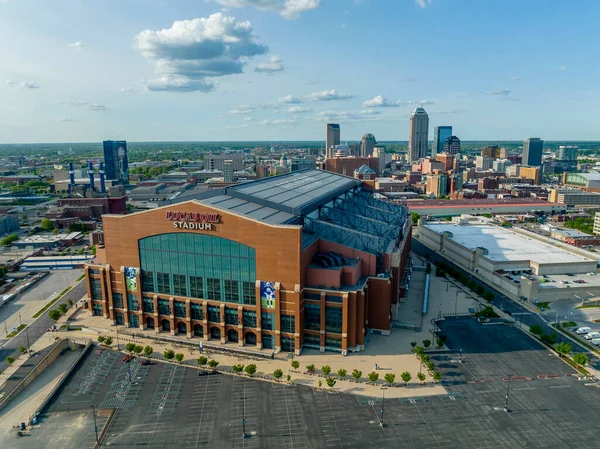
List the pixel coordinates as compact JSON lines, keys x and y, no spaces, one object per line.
{"x":131,"y":279}
{"x":267,"y":294}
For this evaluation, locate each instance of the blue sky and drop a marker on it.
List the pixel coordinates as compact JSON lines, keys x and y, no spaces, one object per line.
{"x":88,"y":70}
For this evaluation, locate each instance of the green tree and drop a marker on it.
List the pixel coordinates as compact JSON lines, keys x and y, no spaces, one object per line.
{"x":330,"y":382}
{"x":437,"y":376}
{"x":278,"y":373}
{"x":129,"y":347}
{"x":169,"y":354}
{"x":356,"y":374}
{"x":390,"y":378}
{"x":419,"y":350}
{"x":23,"y":349}
{"x":310,"y":368}
{"x":138,"y":349}
{"x":320,"y":383}
{"x":421,"y":376}
{"x":549,"y":339}
{"x":439,"y":342}
{"x":580,"y":358}
{"x":326,"y":369}
{"x":148,"y":351}
{"x":564,"y":349}
{"x":415,"y":218}
{"x":202,"y":360}
{"x":56,"y":231}
{"x":488,"y":295}
{"x":479,"y":290}
{"x":430,"y":366}
{"x":6,"y":241}
{"x":47,"y":224}
{"x":213,"y":364}
{"x":471,"y":284}
{"x":179,"y":357}
{"x":250,"y":369}
{"x":425,"y":358}
{"x":406,"y":377}
{"x":108,"y":341}
{"x":295,"y":364}
{"x":10,"y":360}
{"x":413,"y":344}
{"x":342,"y":373}
{"x":237,"y":369}
{"x":289,"y":378}
{"x":426,"y":343}
{"x":373,"y":376}
{"x":70,"y":301}
{"x":536,"y":329}
{"x":101,"y":338}
{"x":54,"y":314}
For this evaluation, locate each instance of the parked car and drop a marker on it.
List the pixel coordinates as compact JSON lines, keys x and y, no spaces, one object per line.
{"x":583,"y":330}
{"x":592,"y":335}
{"x":596,"y":341}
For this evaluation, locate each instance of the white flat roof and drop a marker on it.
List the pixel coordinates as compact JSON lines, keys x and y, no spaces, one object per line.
{"x":505,"y":245}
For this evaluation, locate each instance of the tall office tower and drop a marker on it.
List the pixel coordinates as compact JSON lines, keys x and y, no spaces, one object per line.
{"x":567,"y":153}
{"x":228,"y":170}
{"x":483,"y":163}
{"x":440,"y":134}
{"x":116,"y":164}
{"x":532,"y":152}
{"x":332,"y":139}
{"x":217,"y":161}
{"x":452,"y":145}
{"x":367,"y":144}
{"x":492,"y":151}
{"x":418,"y":133}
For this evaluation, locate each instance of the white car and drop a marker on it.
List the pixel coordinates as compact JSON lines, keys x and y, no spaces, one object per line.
{"x":596,"y":341}
{"x":583,"y":330}
{"x":592,"y":335}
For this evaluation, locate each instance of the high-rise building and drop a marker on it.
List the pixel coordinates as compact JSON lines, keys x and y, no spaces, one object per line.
{"x":332,"y":139}
{"x":483,"y":163}
{"x":217,"y":161}
{"x":492,"y":151}
{"x":116,"y":163}
{"x":446,"y":159}
{"x":309,"y":162}
{"x":367,"y":144}
{"x":500,"y":165}
{"x":440,"y":134}
{"x":452,"y":145}
{"x":379,"y":153}
{"x":532,"y":151}
{"x":533,"y":173}
{"x":567,"y":153}
{"x":417,"y":136}
{"x":228,"y":170}
{"x":437,"y":184}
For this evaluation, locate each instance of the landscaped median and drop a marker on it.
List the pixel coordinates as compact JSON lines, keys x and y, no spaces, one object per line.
{"x":51,"y":303}
{"x":19,"y":329}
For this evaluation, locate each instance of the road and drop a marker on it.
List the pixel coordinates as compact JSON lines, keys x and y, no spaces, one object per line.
{"x":504,"y":303}
{"x":38,"y":328}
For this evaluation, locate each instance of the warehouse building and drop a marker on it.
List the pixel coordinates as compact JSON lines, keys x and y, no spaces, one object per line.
{"x":305,"y":259}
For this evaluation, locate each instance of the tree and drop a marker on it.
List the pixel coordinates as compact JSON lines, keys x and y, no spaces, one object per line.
{"x":430,"y":366}
{"x":580,"y":358}
{"x":138,"y":349}
{"x":320,"y":383}
{"x":549,"y":339}
{"x":129,"y":347}
{"x":202,"y":360}
{"x":488,"y":295}
{"x":427,"y":343}
{"x":213,"y":364}
{"x":406,"y":377}
{"x":250,"y":369}
{"x":289,"y":378}
{"x":425,"y":358}
{"x":237,"y":369}
{"x":437,"y":376}
{"x":390,"y":378}
{"x":564,"y":349}
{"x":413,"y":344}
{"x":101,"y":338}
{"x":342,"y":373}
{"x":169,"y":354}
{"x":295,"y":364}
{"x":148,"y":351}
{"x":479,"y":290}
{"x":421,"y":376}
{"x":22,"y":349}
{"x":70,"y":301}
{"x":415,"y":218}
{"x":10,"y":360}
{"x":439,"y":342}
{"x":278,"y":373}
{"x":6,"y":241}
{"x":310,"y":368}
{"x":55,"y":231}
{"x":536,"y":329}
{"x":179,"y":357}
{"x":330,"y":382}
{"x":419,"y":350}
{"x":356,"y":374}
{"x":471,"y":284}
{"x":108,"y":341}
{"x":63,"y":308}
{"x":326,"y":369}
{"x":47,"y":224}
{"x":373,"y":376}
{"x":54,"y":314}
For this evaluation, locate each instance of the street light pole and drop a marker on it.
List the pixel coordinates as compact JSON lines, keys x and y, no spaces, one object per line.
{"x":382,"y":404}
{"x":507,"y":393}
{"x":95,"y":424}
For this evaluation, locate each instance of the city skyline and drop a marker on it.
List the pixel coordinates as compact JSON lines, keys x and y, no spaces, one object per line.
{"x":154,"y":76}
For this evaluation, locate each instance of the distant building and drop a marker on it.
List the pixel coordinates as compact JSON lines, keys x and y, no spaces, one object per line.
{"x":500,"y":165}
{"x":418,"y":135}
{"x":367,"y":145}
{"x":303,"y":164}
{"x":283,"y":161}
{"x":437,"y":184}
{"x":116,"y":163}
{"x":588,"y":182}
{"x":440,"y":134}
{"x":534,"y":173}
{"x":452,"y":145}
{"x":447,"y":160}
{"x":364,"y":173}
{"x":492,"y":151}
{"x":347,"y":165}
{"x":217,"y":161}
{"x":228,"y":171}
{"x":597,"y":223}
{"x":8,"y":223}
{"x":532,"y":152}
{"x":379,"y":152}
{"x":332,"y":138}
{"x":483,"y":163}
{"x":567,"y":153}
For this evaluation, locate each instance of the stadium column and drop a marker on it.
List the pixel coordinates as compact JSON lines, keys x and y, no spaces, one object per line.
{"x":156,"y":323}
{"x":345,"y":301}
{"x":258,"y":317}
{"x":205,"y":328}
{"x":88,"y":287}
{"x":277,"y":316}
{"x":188,"y":317}
{"x":240,"y":326}
{"x":361,"y":319}
{"x":125,"y":301}
{"x":103,"y":288}
{"x":323,"y":311}
{"x":222,"y":324}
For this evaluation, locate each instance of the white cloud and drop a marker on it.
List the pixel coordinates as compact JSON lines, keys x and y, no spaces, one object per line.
{"x":423,"y":3}
{"x":276,"y":122}
{"x":273,"y":65}
{"x":289,"y":99}
{"x":328,"y":95}
{"x":127,"y":89}
{"x":382,"y":102}
{"x":29,"y":85}
{"x":77,"y":45}
{"x":563,"y":68}
{"x":298,"y":109}
{"x":370,"y":112}
{"x":288,"y":9}
{"x":243,"y":109}
{"x":503,"y":92}
{"x":247,"y":119}
{"x":345,"y":116}
{"x":88,"y":106}
{"x":192,"y":52}
{"x":515,"y":78}
{"x":67,"y":119}
{"x":97,"y":107}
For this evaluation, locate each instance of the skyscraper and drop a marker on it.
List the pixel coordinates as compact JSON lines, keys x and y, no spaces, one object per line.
{"x":367,"y":144}
{"x":116,"y":164}
{"x":332,"y":139}
{"x":440,"y":134}
{"x":418,"y":133}
{"x":567,"y":153}
{"x":452,"y":145}
{"x":532,"y":152}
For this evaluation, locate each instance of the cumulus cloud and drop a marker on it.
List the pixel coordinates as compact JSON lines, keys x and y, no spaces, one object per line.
{"x":127,"y":89}
{"x":288,"y":9}
{"x":370,"y":112}
{"x":29,"y":85}
{"x":289,"y":99}
{"x":382,"y":102}
{"x":329,"y":95}
{"x":298,"y":109}
{"x":423,"y":3}
{"x":276,"y":122}
{"x":502,"y":92}
{"x":67,"y":119}
{"x":77,"y":45}
{"x":345,"y":116}
{"x":273,"y":65}
{"x":242,"y":110}
{"x":192,"y":52}
{"x":88,"y":106}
